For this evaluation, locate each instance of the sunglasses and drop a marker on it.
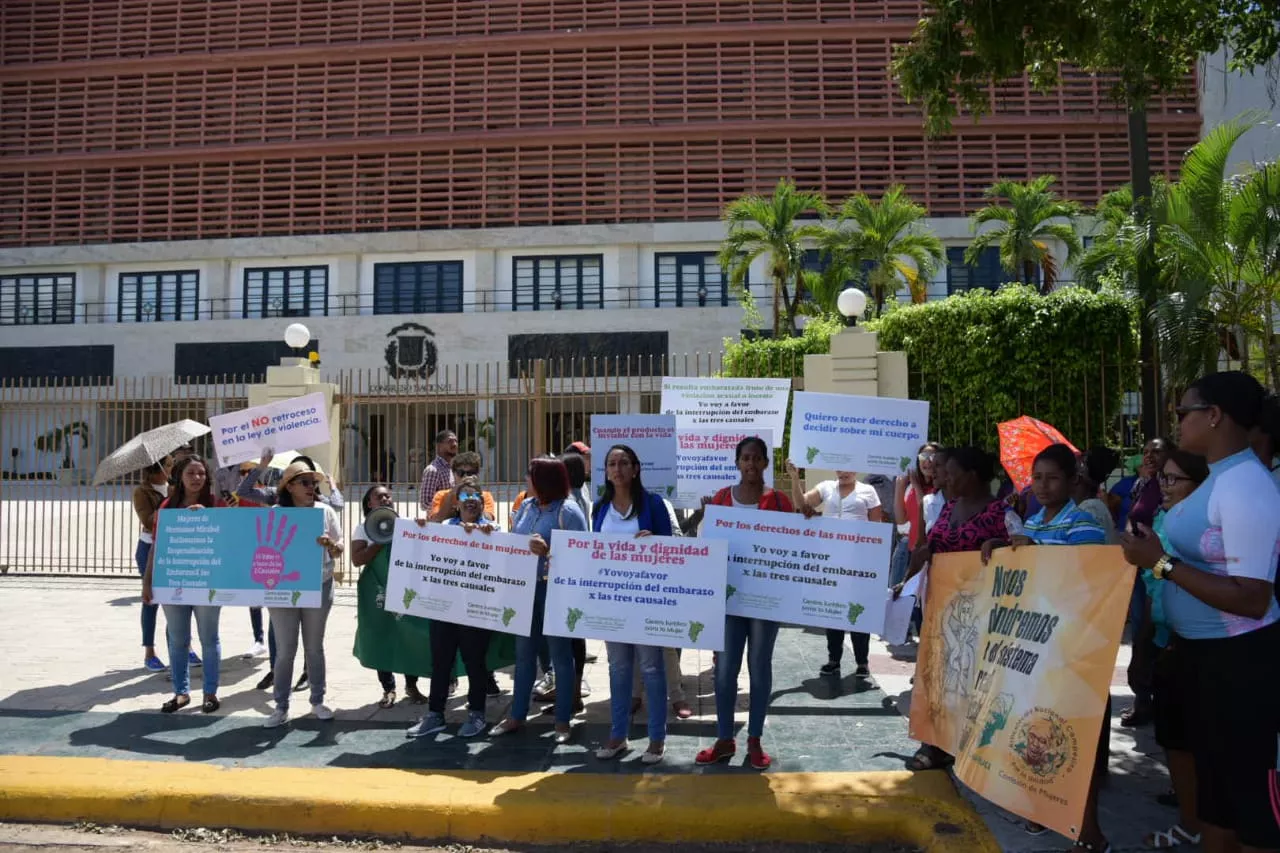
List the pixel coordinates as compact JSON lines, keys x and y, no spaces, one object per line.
{"x":305,"y":482}
{"x":1183,"y":411}
{"x":468,"y":496}
{"x":1171,"y":479}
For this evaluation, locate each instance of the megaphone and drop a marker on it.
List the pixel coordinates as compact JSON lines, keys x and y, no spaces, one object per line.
{"x":380,"y":525}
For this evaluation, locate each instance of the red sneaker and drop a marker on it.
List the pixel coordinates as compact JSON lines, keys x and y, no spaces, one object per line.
{"x":721,"y":750}
{"x":756,"y":756}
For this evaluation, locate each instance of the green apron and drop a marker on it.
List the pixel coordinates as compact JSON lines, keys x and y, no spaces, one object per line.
{"x":393,"y":642}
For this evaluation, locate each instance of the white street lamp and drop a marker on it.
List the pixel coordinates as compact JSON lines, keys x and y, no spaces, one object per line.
{"x":852,"y":302}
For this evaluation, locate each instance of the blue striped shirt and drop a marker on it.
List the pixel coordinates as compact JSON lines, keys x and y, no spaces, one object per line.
{"x":1071,"y":526}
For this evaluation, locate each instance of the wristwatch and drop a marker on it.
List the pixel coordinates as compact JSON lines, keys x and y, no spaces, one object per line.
{"x":1163,"y":568}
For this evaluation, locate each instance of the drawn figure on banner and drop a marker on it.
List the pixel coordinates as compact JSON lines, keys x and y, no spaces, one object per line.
{"x":959,"y":653}
{"x":1045,"y":743}
{"x":267,"y":567}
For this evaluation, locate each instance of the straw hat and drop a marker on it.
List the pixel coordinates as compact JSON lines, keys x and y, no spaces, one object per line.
{"x":297,"y":469}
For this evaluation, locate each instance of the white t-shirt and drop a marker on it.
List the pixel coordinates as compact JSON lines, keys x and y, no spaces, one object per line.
{"x":614,"y":522}
{"x":332,"y":529}
{"x":856,"y":505}
{"x":932,"y":509}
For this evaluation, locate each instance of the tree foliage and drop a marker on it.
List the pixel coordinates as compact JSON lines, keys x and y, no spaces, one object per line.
{"x":962,"y":47}
{"x":886,"y":237}
{"x":1025,"y":218}
{"x":772,"y":226}
{"x":982,"y":358}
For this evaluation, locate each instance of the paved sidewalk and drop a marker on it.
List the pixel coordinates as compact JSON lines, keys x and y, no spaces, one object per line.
{"x":71,"y":684}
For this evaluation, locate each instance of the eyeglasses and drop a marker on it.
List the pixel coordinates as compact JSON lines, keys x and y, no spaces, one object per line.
{"x":1171,"y":479}
{"x":467,"y":472}
{"x":1183,"y":411}
{"x":305,"y":482}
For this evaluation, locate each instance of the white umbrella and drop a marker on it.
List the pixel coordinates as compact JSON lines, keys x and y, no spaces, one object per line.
{"x":280,"y":461}
{"x":148,"y":448}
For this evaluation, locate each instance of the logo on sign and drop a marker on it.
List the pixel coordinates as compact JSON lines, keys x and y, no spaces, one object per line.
{"x":411,"y":354}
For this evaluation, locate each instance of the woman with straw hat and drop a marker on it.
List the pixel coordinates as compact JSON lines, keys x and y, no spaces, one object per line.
{"x":299,"y":487}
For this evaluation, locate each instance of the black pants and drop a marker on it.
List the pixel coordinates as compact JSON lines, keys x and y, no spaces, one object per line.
{"x":447,"y":640}
{"x":388,"y":680}
{"x":861,"y":646}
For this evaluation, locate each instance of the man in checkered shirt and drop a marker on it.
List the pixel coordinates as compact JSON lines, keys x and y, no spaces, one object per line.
{"x":439,"y":474}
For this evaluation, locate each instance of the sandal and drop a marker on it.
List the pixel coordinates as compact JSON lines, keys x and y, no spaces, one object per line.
{"x":930,"y":758}
{"x":388,"y":699}
{"x":175,"y":703}
{"x":211,"y":704}
{"x":1174,"y":836}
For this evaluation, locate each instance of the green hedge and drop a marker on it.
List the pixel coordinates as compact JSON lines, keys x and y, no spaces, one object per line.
{"x":982,"y":358}
{"x":778,"y":358}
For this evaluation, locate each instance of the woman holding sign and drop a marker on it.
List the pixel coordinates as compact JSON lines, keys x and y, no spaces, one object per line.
{"x":754,"y":636}
{"x":192,"y":490}
{"x":448,"y":639}
{"x":625,"y":507}
{"x":1217,"y":578}
{"x":299,"y":486}
{"x":547,"y":508}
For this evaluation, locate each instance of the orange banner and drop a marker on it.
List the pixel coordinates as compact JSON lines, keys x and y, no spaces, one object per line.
{"x":1014,"y":671}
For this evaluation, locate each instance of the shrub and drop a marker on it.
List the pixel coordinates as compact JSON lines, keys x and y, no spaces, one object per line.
{"x":778,"y":358}
{"x":981,"y":358}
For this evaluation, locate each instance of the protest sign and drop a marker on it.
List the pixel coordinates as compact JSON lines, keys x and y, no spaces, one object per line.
{"x":819,"y":572}
{"x":651,"y":590}
{"x":1014,"y":669}
{"x":705,"y":463}
{"x":284,"y":425}
{"x":442,"y":572}
{"x":652,"y":437}
{"x":741,"y":405}
{"x":844,"y":432}
{"x":239,"y":556}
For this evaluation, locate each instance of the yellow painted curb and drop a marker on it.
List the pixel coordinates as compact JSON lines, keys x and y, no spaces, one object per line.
{"x":917,"y":808}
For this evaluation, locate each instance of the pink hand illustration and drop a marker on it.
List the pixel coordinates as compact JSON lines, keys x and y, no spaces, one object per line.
{"x":267,"y":567}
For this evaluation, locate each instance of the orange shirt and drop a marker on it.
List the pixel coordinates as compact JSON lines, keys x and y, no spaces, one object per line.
{"x":490,"y":508}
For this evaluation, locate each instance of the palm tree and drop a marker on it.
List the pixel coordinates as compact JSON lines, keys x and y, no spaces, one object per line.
{"x":1034,"y":214}
{"x":1208,"y":248}
{"x":760,"y":225}
{"x":1255,"y":217}
{"x":884,"y":238}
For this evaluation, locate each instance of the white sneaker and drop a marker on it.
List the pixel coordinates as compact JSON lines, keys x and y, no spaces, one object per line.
{"x":257,"y":650}
{"x":277,"y":719}
{"x":322,"y":712}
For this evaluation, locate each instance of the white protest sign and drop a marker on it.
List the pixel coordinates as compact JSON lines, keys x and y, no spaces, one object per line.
{"x":728,"y":404}
{"x":651,"y":590}
{"x":652,"y":437}
{"x":284,"y":425}
{"x":819,"y":572}
{"x":442,"y":572}
{"x":843,"y":432}
{"x":897,"y":619}
{"x":705,"y":463}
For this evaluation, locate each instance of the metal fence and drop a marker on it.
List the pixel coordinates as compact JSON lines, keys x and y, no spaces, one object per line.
{"x":53,"y":435}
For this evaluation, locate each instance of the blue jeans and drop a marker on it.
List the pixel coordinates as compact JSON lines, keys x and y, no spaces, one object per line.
{"x":757,"y":636}
{"x":178,"y":620}
{"x":561,"y":649}
{"x":255,"y":622}
{"x":899,"y":561}
{"x":149,"y":611}
{"x":623,"y":658}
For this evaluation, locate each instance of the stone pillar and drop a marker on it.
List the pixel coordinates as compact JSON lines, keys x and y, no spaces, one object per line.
{"x":854,"y":366}
{"x":295,"y":377}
